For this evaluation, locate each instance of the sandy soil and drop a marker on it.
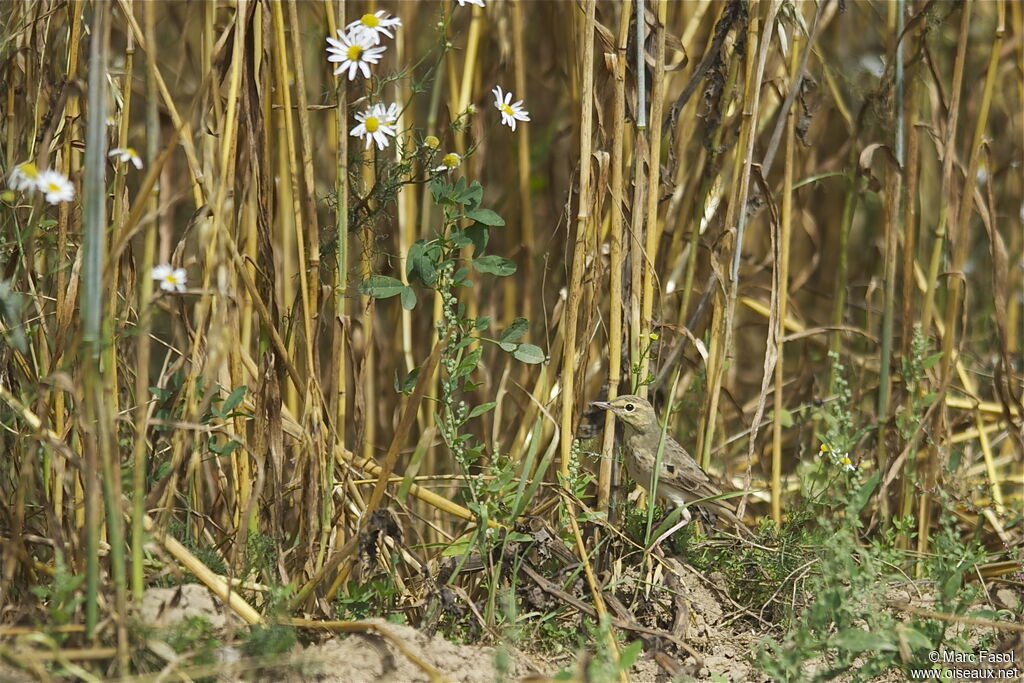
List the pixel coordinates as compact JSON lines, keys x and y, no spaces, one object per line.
{"x":393,"y":653}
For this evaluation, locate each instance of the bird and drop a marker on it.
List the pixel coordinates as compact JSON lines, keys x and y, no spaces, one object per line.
{"x":681,"y":481}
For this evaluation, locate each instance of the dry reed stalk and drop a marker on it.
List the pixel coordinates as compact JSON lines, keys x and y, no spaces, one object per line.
{"x":653,"y":225}
{"x":151,"y":200}
{"x":606,"y":474}
{"x":782,"y":282}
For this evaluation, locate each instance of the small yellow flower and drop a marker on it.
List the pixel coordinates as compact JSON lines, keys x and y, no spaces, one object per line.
{"x":431,"y":142}
{"x":653,"y":336}
{"x":449,"y":162}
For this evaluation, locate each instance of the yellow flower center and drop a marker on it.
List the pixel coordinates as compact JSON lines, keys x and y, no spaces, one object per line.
{"x":28,"y":169}
{"x":507,"y":109}
{"x":431,"y":142}
{"x":846,"y":462}
{"x":130,"y":151}
{"x":451,"y":160}
{"x":172,"y":278}
{"x":370,"y":20}
{"x":354,"y":53}
{"x":372,"y":123}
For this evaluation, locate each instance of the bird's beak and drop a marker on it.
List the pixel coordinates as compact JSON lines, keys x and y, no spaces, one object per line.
{"x":602,"y":404}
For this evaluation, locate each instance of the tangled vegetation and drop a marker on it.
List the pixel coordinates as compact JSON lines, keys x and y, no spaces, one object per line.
{"x":306,"y":302}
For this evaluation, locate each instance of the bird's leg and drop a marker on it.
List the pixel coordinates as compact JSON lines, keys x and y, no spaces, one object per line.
{"x":679,"y":525}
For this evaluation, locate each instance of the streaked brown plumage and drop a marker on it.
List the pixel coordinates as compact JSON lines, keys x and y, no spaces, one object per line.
{"x":681,"y":480}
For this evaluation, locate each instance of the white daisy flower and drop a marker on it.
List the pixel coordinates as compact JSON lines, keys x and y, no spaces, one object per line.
{"x":55,"y":186}
{"x":170,"y":279}
{"x":354,"y":51}
{"x":375,"y":125}
{"x":126,"y":154}
{"x":111,"y":120}
{"x":449,"y":162}
{"x":478,"y":3}
{"x":24,"y":176}
{"x":847,"y":463}
{"x":510,"y":111}
{"x":375,"y":25}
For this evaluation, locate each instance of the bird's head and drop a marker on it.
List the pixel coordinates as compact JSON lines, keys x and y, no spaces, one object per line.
{"x":633,"y":410}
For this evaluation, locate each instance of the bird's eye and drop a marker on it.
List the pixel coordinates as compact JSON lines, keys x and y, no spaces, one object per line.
{"x":630,"y":407}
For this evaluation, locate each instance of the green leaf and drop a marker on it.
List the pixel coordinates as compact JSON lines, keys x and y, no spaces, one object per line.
{"x":460,"y":546}
{"x":479,"y":234}
{"x":508,"y":347}
{"x":517,"y":329}
{"x":485,"y":216}
{"x":408,"y":298}
{"x":407,"y":384}
{"x":859,"y":640}
{"x":12,"y":304}
{"x":495,"y":265}
{"x":468,"y":196}
{"x":459,"y":239}
{"x":951,"y":586}
{"x":233,"y":399}
{"x":415,"y":251}
{"x":528,"y":353}
{"x":160,"y":393}
{"x":420,"y":264}
{"x":459,"y":278}
{"x":482,"y":322}
{"x":931,"y":360}
{"x":786,"y":418}
{"x":915,"y":639}
{"x":629,"y":654}
{"x":441,"y":191}
{"x":468,"y":363}
{"x":381,"y":286}
{"x":481,"y":409}
{"x":863,"y":494}
{"x":225,"y":450}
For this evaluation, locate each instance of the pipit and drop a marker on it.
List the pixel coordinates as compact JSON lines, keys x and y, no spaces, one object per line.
{"x":681,"y":481}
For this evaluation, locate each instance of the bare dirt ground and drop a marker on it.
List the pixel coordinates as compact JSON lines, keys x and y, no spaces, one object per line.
{"x":394,"y":652}
{"x":383,"y":652}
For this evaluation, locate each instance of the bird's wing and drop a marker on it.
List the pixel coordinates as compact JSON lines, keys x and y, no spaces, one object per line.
{"x":682,"y":472}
